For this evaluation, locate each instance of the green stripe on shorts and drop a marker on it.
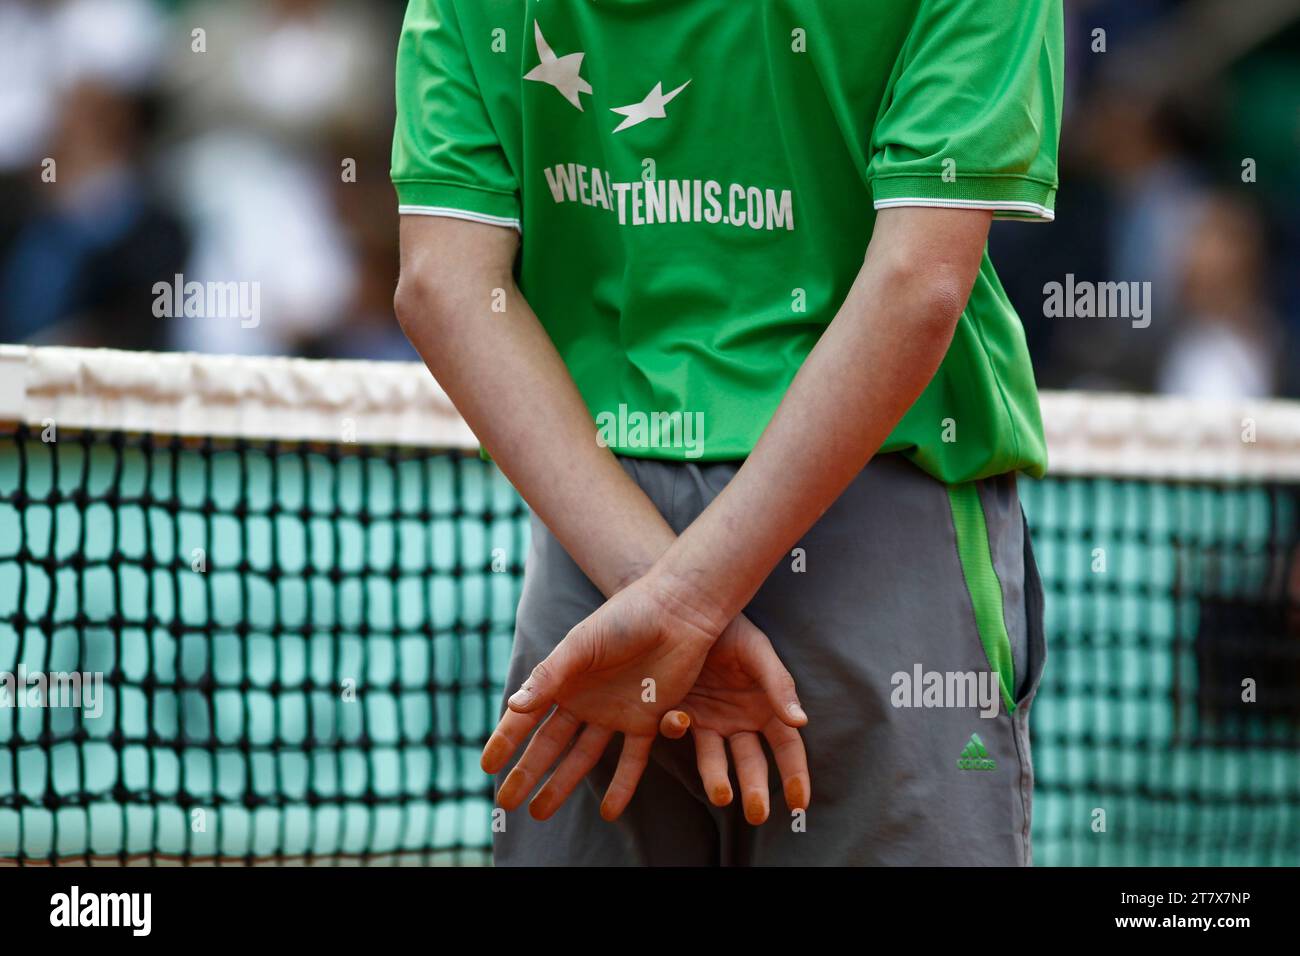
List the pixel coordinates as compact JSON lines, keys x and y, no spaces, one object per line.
{"x":976,"y":558}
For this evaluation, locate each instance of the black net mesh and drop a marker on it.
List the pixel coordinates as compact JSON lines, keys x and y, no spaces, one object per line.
{"x":1167,"y":729}
{"x":302,"y":648}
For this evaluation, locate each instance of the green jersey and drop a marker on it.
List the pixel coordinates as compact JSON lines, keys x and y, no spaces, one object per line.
{"x":695,"y":182}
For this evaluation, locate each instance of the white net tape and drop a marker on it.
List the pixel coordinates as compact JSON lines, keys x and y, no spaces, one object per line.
{"x":399,"y":403}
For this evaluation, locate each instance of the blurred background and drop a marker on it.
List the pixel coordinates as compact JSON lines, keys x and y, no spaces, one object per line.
{"x":1178,"y":168}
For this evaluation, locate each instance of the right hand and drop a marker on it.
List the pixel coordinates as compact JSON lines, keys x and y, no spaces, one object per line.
{"x":744,"y":690}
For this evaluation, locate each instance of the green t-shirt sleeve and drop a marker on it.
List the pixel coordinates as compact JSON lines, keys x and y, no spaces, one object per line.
{"x":973,"y":115}
{"x":447,"y":158}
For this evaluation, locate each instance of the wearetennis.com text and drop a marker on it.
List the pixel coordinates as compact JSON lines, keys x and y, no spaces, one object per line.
{"x":649,"y":202}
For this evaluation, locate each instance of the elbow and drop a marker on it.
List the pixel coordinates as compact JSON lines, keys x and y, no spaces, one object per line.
{"x":933,"y":297}
{"x":945,"y":302}
{"x":419,"y":302}
{"x":433,"y":301}
{"x":409,"y":301}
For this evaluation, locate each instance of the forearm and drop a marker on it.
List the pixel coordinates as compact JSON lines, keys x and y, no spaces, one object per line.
{"x":507,"y":380}
{"x":877,"y":356}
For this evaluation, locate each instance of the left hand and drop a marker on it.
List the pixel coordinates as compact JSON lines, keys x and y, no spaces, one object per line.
{"x":618,"y":671}
{"x":743,"y":691}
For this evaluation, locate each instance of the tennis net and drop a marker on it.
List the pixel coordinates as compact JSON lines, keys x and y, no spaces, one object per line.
{"x":259,"y":611}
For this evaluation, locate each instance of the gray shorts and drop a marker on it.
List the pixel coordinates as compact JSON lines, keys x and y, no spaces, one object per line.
{"x":903,"y":614}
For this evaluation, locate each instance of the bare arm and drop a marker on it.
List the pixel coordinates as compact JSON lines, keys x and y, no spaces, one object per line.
{"x":507,"y":380}
{"x":872,"y":363}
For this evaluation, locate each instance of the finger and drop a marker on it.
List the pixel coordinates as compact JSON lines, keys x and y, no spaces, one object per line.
{"x":674,"y":724}
{"x":543,"y":750}
{"x":791,"y":764}
{"x":512,"y":730}
{"x":631,"y":764}
{"x":577,"y":763}
{"x":751,"y":771}
{"x":711,"y":758}
{"x":759,"y":661}
{"x":572,"y":656}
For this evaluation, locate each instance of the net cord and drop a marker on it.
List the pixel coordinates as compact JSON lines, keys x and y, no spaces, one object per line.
{"x":399,"y":403}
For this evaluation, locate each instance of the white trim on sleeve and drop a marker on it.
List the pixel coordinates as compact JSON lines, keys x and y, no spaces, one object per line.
{"x":995,"y":205}
{"x":447,"y":212}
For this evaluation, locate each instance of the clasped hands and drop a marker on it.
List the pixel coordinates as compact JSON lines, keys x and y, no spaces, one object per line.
{"x":649,"y":662}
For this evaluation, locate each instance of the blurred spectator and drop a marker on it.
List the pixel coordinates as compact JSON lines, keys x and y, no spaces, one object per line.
{"x":273,"y":85}
{"x":298,"y":71}
{"x":1141,"y":154}
{"x":263,"y":216}
{"x":1230,"y":341}
{"x":1264,"y":130}
{"x":48,"y":47}
{"x":369,"y":219}
{"x":26,"y":82}
{"x":1154,"y":186}
{"x":79,"y":263}
{"x":1143,"y":192}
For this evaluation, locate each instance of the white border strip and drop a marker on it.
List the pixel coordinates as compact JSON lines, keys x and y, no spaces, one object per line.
{"x":381,"y":403}
{"x":992,"y":205}
{"x":398,"y":403}
{"x":1134,"y":436}
{"x":447,"y":212}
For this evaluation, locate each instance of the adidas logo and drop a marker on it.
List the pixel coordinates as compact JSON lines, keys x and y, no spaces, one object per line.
{"x":975,"y":756}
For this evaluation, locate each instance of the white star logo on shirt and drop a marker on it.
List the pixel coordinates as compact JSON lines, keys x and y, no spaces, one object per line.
{"x":560,"y":72}
{"x":652,"y":107}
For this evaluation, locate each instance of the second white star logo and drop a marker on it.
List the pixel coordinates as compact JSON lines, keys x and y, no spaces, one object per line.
{"x":652,"y":107}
